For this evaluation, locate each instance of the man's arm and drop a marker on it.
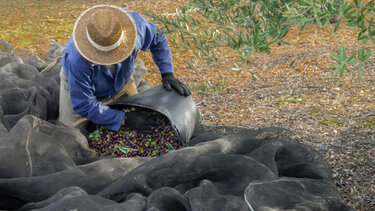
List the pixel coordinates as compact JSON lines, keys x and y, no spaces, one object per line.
{"x":82,"y":90}
{"x":158,"y":45}
{"x":155,"y":42}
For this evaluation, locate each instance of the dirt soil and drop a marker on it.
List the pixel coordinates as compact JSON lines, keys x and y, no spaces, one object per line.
{"x":335,"y":115}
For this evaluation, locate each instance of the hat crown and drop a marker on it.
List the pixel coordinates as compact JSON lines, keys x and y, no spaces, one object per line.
{"x":104,"y":27}
{"x":105,"y":34}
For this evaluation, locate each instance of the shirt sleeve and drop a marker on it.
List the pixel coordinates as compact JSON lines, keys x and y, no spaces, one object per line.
{"x":84,"y":102}
{"x":155,"y":42}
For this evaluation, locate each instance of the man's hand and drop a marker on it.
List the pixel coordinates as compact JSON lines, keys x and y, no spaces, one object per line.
{"x":170,"y":81}
{"x":140,"y":120}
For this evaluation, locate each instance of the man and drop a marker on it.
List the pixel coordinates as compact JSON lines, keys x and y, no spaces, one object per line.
{"x":98,"y":63}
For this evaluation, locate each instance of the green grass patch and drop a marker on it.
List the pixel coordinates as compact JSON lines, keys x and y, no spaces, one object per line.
{"x":291,"y":100}
{"x":326,"y":122}
{"x":25,"y":43}
{"x":370,"y":123}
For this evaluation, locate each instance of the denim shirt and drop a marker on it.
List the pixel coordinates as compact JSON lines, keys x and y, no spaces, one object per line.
{"x":88,"y":81}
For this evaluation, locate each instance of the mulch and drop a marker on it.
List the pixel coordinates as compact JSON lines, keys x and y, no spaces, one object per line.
{"x":336,"y":115}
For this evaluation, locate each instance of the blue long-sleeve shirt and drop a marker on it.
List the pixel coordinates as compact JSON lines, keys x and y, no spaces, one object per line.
{"x":88,"y":81}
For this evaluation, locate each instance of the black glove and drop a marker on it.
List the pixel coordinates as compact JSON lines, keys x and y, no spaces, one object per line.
{"x":140,"y":120}
{"x":170,"y":81}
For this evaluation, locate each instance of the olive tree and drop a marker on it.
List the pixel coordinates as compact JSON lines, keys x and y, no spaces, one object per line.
{"x":252,"y":26}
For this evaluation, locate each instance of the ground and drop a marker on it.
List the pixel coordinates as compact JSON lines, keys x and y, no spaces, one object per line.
{"x":335,"y":115}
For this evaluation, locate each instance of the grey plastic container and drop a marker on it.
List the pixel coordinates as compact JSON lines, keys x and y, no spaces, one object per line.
{"x":181,"y":111}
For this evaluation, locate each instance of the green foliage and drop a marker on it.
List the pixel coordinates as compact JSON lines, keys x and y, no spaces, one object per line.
{"x":250,"y":26}
{"x":95,"y":135}
{"x":326,"y":122}
{"x":357,"y":58}
{"x":124,"y":149}
{"x":370,"y":122}
{"x":170,"y":147}
{"x":291,"y":65}
{"x":292,"y":100}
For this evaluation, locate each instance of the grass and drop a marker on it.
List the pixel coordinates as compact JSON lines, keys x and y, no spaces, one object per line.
{"x":31,"y":24}
{"x":292,"y":100}
{"x":327,"y":122}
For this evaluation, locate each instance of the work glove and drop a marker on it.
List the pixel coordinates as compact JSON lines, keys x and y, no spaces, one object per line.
{"x":170,"y":81}
{"x":141,"y":121}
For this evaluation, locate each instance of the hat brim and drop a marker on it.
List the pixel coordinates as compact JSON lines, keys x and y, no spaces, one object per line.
{"x":96,"y":56}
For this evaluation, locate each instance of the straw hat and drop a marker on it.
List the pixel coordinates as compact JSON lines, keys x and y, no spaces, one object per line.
{"x":105,"y":34}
